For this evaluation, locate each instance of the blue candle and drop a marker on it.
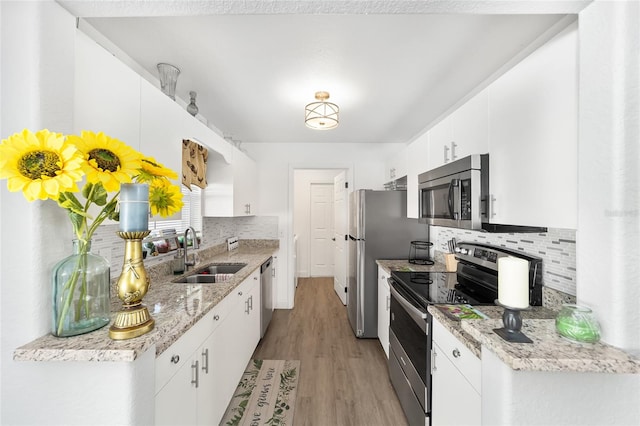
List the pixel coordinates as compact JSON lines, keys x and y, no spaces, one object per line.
{"x":134,"y":207}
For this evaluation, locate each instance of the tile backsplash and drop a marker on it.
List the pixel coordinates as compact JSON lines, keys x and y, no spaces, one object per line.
{"x":216,"y":230}
{"x":556,"y":248}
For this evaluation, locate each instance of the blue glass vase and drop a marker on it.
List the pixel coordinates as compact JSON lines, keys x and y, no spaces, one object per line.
{"x":80,"y":292}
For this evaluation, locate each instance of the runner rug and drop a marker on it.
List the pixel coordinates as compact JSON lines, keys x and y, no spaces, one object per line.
{"x":266,"y":394}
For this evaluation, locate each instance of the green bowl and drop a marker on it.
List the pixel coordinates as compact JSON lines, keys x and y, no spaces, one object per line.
{"x":578,"y":323}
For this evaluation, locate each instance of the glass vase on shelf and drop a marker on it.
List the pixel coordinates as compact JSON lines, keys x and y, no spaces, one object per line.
{"x":81,"y":293}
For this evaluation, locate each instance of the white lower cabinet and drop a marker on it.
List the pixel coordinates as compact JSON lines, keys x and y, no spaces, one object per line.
{"x":384,"y":299}
{"x":236,"y":342}
{"x":456,"y":381}
{"x":197,"y":375}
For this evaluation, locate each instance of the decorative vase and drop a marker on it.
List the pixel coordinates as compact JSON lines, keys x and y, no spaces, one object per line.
{"x":192,"y":108}
{"x":80,"y":292}
{"x":578,"y":323}
{"x":168,"y":79}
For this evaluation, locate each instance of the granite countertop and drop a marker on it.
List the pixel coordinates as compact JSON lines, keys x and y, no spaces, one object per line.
{"x":171,"y":305}
{"x":548,"y":352}
{"x":493,"y":312}
{"x":404,"y":265}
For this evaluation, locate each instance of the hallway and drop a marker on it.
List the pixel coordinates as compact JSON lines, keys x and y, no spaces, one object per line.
{"x":343,"y":380}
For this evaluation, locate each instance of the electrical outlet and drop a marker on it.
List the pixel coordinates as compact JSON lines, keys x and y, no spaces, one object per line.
{"x":232,"y":243}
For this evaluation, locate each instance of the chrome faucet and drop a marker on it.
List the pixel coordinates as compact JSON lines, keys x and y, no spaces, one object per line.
{"x":188,"y":263}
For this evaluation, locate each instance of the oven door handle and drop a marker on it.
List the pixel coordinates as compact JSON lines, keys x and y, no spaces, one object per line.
{"x":411,"y":310}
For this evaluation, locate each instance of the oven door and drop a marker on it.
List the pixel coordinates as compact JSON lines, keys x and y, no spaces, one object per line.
{"x":410,"y":342}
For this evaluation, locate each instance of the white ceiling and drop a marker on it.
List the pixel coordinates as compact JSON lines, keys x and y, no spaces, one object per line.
{"x":391,"y":74}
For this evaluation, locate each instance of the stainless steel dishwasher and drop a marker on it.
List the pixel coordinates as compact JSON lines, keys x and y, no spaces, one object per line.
{"x":266,"y":284}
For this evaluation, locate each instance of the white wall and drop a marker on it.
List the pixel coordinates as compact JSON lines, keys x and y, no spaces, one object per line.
{"x":37,"y":92}
{"x":302,"y":211}
{"x":608,"y":253}
{"x":276,"y":163}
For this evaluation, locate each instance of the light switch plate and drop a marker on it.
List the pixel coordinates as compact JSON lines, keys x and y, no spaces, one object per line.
{"x":232,"y":243}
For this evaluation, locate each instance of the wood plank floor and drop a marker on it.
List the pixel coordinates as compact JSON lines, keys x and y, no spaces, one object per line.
{"x":343,"y":380}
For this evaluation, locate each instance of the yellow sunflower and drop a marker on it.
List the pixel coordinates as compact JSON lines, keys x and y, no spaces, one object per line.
{"x":164,"y":198}
{"x":41,"y":165}
{"x":151,"y":170}
{"x":109,"y":160}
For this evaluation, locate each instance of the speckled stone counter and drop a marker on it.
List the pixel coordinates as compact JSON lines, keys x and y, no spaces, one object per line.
{"x":174,"y":307}
{"x":549,"y":351}
{"x":493,"y":312}
{"x":404,"y":265}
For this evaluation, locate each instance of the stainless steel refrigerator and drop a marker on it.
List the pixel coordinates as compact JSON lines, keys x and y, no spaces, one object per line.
{"x":378,"y":229}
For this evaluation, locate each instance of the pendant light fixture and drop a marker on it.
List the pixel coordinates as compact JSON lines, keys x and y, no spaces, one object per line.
{"x":321,"y":115}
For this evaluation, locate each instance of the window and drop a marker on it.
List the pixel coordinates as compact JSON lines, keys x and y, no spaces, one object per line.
{"x":191,"y":213}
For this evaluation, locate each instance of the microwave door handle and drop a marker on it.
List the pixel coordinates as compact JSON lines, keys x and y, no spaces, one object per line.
{"x":453,"y":184}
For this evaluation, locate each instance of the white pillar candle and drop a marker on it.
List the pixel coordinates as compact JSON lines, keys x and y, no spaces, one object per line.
{"x":134,"y":207}
{"x":513,"y":282}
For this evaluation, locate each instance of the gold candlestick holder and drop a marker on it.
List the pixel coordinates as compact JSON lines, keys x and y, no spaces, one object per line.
{"x":134,"y":319}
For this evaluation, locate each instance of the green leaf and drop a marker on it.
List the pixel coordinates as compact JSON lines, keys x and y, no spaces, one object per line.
{"x":68,"y":201}
{"x":86,"y":190}
{"x":76,"y":220}
{"x":99,"y":195}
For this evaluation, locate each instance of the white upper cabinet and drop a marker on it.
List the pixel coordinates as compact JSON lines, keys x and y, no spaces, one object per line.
{"x":460,"y":134}
{"x":396,"y":166}
{"x":107,"y":93}
{"x":231,"y":186}
{"x":418,"y":154}
{"x":162,"y":126}
{"x":533,"y":124}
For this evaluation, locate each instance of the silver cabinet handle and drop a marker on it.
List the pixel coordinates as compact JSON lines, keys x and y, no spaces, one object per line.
{"x":455,"y":353}
{"x":205,"y":361}
{"x":446,"y":154}
{"x":175,"y":359}
{"x":453,"y":150}
{"x":194,"y":376}
{"x":251,"y":302}
{"x":492,"y":207}
{"x":433,"y":360}
{"x":388,"y":302}
{"x":246,"y":306}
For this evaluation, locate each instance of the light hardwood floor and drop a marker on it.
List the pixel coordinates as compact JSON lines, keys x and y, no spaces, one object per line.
{"x":343,"y":380}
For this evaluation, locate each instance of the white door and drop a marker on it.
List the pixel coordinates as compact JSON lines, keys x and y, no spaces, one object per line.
{"x":321,"y":253}
{"x":340,"y":209}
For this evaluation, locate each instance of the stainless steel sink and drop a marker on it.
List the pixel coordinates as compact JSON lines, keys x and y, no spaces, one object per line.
{"x":222,"y":268}
{"x":212,"y":274}
{"x":197,"y":279}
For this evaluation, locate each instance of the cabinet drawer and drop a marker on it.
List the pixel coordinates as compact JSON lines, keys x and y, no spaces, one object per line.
{"x":459,"y":355}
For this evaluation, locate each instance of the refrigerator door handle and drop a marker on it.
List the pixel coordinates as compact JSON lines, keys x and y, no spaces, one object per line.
{"x":360,"y":286}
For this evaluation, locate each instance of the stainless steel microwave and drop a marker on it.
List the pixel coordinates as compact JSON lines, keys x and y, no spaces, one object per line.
{"x":456,"y":194}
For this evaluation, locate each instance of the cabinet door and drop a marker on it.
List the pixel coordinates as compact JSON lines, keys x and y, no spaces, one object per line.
{"x":176,"y":402}
{"x":396,"y":167}
{"x":107,"y":93}
{"x":245,"y":193}
{"x":417,"y":162}
{"x":207,"y":413}
{"x":533,"y":138}
{"x":471,"y":127}
{"x":383,"y":310}
{"x":234,"y":341}
{"x":451,"y":391}
{"x":162,"y":124}
{"x":440,"y":138}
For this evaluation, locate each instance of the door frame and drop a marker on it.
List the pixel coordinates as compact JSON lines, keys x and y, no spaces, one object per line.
{"x":348,"y":167}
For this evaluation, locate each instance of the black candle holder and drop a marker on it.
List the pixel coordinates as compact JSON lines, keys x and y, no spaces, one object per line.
{"x":512,"y":321}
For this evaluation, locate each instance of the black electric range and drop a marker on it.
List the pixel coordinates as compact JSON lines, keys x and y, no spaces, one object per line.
{"x":475,"y":282}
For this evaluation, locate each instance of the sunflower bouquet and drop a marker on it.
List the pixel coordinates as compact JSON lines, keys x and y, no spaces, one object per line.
{"x":48,"y":165}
